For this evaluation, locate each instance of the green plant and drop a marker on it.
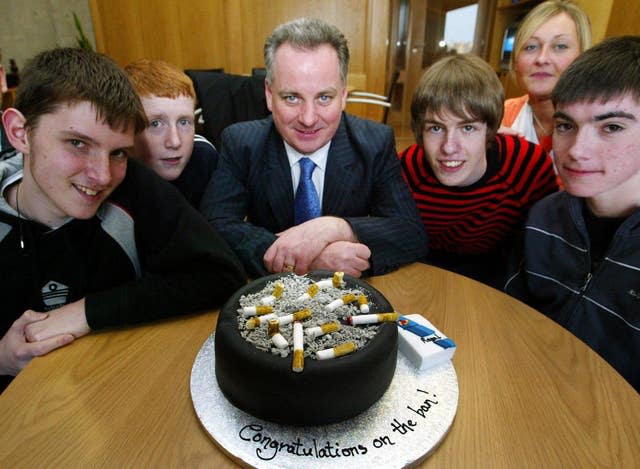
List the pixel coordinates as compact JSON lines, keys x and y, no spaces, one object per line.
{"x":81,"y":39}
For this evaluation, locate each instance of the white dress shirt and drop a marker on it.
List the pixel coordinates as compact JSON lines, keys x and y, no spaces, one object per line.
{"x":319,"y":157}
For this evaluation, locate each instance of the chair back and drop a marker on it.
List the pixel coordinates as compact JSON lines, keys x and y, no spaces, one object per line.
{"x":226,"y":99}
{"x":198,"y":76}
{"x":386,"y":101}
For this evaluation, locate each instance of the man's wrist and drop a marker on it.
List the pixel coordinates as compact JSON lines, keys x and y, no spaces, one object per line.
{"x":340,"y":230}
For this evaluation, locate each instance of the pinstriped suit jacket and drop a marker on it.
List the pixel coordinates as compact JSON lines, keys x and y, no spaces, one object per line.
{"x":250,"y":196}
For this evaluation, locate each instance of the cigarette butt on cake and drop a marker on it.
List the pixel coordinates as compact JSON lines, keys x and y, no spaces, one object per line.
{"x":346,"y":299}
{"x":259,"y":310}
{"x":311,"y":292}
{"x":335,"y":281}
{"x":322,"y":329}
{"x":373,"y":318}
{"x":277,"y":339}
{"x":297,"y":316}
{"x":273,"y":327}
{"x":277,"y":293}
{"x":256,"y":321}
{"x":363,"y":304}
{"x":337,"y":351}
{"x":298,"y":348}
{"x":278,"y":289}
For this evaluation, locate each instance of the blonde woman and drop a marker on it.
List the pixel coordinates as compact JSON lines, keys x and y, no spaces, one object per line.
{"x":548,"y":40}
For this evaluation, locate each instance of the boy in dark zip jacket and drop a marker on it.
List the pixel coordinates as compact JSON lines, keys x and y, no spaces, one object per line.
{"x":580,"y":263}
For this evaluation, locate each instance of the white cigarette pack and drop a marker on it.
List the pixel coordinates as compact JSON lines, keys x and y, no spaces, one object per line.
{"x":422,"y":343}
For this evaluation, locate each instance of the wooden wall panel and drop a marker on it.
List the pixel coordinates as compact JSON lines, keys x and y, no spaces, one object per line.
{"x":625,"y":19}
{"x":203,"y":32}
{"x":250,"y":22}
{"x":598,"y":12}
{"x":117,"y":28}
{"x":231,"y":33}
{"x":160,"y":29}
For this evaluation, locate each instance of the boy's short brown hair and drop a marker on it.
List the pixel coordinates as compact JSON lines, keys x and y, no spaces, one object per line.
{"x":72,"y":75}
{"x":158,"y":78}
{"x":464,"y":85}
{"x":607,"y":70}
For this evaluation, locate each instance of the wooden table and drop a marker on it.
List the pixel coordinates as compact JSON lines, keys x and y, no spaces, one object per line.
{"x":531,"y":395}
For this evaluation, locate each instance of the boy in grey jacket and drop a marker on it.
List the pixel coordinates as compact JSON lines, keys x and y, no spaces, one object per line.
{"x":89,"y":239}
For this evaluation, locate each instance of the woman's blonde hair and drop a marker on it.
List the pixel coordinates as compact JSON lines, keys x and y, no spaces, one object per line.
{"x":543,"y":13}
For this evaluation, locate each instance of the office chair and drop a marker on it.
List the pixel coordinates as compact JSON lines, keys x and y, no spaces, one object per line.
{"x":198,"y":75}
{"x":365,"y":97}
{"x":225,"y":99}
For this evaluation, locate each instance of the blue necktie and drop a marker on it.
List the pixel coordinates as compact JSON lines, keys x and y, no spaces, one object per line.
{"x":307,"y":200}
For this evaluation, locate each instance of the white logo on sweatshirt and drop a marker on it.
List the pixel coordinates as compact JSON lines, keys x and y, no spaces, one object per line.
{"x":54,"y":295}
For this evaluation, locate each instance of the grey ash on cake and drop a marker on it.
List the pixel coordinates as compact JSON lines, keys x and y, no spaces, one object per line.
{"x":293,"y":298}
{"x":256,"y":375}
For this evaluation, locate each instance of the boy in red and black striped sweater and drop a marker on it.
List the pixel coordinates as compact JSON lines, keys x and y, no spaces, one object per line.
{"x":473,"y":188}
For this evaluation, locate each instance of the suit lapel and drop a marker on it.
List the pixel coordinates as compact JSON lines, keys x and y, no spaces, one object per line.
{"x":277,"y":181}
{"x":341,"y":176}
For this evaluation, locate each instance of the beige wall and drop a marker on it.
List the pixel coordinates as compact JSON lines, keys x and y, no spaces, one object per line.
{"x":31,"y":26}
{"x":228,"y":33}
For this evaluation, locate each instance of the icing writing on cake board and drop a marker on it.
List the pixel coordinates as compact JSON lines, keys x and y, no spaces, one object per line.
{"x":268,"y":447}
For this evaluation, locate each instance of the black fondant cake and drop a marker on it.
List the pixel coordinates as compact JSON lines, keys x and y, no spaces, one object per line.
{"x":326,"y":391}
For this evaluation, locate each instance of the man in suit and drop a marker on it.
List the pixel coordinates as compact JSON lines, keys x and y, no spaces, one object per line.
{"x":366,"y":220}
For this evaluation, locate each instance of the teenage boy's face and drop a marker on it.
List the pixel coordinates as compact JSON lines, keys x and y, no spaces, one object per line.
{"x":597,"y":151}
{"x":73,"y":162}
{"x":307,"y":96}
{"x":456,"y":148}
{"x":166,"y":145}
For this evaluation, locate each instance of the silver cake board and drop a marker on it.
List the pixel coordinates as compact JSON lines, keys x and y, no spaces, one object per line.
{"x":401,"y":429}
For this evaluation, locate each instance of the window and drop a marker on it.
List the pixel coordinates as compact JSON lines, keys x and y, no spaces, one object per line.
{"x":459,"y":29}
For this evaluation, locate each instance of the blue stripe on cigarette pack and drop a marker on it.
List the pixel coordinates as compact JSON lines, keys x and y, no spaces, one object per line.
{"x":422,"y":343}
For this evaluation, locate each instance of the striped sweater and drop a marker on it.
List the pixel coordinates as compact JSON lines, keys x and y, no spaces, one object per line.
{"x":476,"y":219}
